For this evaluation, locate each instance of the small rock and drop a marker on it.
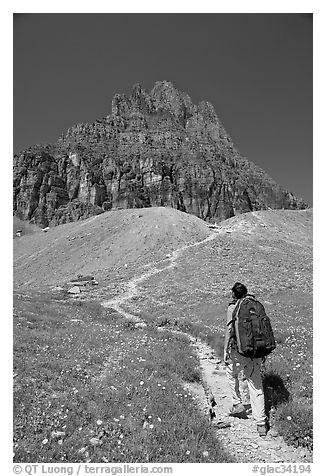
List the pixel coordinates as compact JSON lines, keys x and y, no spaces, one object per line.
{"x":264,"y":444}
{"x":269,"y":444}
{"x":74,"y":290}
{"x":95,"y":441}
{"x":273,"y":433}
{"x":56,"y":434}
{"x":222,"y":424}
{"x":276,"y":448}
{"x":140,"y":325}
{"x":302,"y":453}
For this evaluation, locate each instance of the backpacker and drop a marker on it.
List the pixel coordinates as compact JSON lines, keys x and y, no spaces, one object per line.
{"x":252,"y":328}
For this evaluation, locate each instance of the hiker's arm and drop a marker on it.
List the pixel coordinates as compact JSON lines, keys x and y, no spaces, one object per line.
{"x":228,"y":333}
{"x":227,"y":339}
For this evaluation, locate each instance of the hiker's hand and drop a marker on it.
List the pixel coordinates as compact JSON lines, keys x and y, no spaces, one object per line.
{"x":227,"y":358}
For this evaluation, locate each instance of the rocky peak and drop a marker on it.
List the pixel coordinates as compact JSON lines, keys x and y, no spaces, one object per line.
{"x":166,"y":97}
{"x":155,"y":148}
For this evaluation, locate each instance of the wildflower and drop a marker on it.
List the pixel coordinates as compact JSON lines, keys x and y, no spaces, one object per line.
{"x":60,"y":442}
{"x":151,"y":426}
{"x":205,"y":454}
{"x":289,"y":417}
{"x":187,"y":452}
{"x":159,"y":419}
{"x":45,"y":441}
{"x":141,"y":383}
{"x":99,"y":422}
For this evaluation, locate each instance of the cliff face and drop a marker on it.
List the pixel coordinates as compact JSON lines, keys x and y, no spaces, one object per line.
{"x":154,"y":149}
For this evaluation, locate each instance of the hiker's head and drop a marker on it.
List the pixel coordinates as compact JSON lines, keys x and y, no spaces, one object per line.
{"x":239,"y":290}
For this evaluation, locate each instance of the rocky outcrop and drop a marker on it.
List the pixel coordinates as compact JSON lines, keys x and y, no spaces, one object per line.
{"x":155,"y":149}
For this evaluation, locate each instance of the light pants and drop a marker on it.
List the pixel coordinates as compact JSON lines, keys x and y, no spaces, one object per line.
{"x":252,"y":372}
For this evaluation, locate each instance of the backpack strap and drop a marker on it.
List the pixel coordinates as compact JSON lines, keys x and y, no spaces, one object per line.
{"x":236,"y":309}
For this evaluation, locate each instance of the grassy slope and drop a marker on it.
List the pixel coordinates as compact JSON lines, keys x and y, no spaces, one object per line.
{"x":83,"y":374}
{"x":270,"y":251}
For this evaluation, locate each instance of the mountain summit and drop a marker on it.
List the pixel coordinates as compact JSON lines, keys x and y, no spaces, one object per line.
{"x":155,"y":149}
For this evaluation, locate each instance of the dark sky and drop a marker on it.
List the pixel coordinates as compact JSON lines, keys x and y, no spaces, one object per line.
{"x":256,"y":69}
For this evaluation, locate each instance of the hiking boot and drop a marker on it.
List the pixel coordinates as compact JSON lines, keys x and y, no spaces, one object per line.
{"x":262,"y":429}
{"x":237,"y":409}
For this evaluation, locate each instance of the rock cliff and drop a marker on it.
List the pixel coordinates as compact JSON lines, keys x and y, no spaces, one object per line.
{"x":155,"y":149}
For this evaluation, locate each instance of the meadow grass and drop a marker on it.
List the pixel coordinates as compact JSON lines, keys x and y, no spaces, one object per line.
{"x":90,"y":387}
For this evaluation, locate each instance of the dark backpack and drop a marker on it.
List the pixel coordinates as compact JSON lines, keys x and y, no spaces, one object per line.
{"x":252,"y":328}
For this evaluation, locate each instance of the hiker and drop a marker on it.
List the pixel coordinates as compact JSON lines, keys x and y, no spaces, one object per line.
{"x":251,"y":368}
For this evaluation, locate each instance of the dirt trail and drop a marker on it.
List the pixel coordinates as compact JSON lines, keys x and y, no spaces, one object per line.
{"x":132,"y":285}
{"x":240,"y":437}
